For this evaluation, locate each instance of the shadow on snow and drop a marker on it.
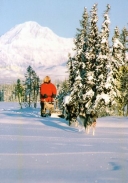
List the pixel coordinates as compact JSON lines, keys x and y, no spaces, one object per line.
{"x":34,"y":114}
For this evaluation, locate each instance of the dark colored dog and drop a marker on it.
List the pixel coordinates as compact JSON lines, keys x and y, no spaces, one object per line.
{"x":70,"y":113}
{"x":78,"y":113}
{"x":88,"y":121}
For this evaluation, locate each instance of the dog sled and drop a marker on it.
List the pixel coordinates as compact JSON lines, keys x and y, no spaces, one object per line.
{"x":52,"y":109}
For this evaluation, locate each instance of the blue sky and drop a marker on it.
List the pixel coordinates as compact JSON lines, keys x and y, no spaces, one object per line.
{"x":61,"y":16}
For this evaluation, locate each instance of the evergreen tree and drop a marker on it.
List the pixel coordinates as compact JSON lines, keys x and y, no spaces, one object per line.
{"x":35,"y":87}
{"x":31,"y":87}
{"x":28,"y":86}
{"x":63,"y":90}
{"x":102,"y":66}
{"x":124,"y":73}
{"x":71,"y":72}
{"x":91,"y":54}
{"x":19,"y":92}
{"x":123,"y":87}
{"x":76,"y":64}
{"x":117,"y":61}
{"x":124,"y":40}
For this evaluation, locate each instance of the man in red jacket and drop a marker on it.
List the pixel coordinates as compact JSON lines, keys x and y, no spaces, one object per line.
{"x":47,"y":94}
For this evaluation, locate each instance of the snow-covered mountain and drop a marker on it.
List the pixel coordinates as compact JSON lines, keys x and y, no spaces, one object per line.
{"x":31,"y":44}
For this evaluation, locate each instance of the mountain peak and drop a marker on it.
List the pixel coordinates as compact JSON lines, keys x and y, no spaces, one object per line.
{"x":31,"y":44}
{"x":34,"y":27}
{"x":29,"y":29}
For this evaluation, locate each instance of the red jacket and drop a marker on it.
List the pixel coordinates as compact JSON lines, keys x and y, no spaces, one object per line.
{"x":47,"y":92}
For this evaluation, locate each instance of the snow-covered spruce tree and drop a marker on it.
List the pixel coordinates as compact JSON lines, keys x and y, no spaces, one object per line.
{"x":19,"y":91}
{"x":71,"y":72}
{"x":102,"y":83}
{"x":123,"y":86}
{"x":91,"y":53}
{"x":63,"y":90}
{"x":76,"y":64}
{"x":90,"y":64}
{"x":124,"y":71}
{"x":117,"y":62}
{"x":124,"y":40}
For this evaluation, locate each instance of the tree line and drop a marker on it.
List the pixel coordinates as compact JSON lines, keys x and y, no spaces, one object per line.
{"x":98,"y":72}
{"x":25,"y":92}
{"x":28,"y":91}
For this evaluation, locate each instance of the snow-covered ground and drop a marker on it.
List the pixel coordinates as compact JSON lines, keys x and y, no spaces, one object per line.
{"x":47,"y":150}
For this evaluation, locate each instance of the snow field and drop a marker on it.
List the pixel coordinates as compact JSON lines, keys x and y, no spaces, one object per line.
{"x":47,"y":150}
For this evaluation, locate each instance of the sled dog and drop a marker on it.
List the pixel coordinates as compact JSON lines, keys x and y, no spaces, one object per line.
{"x":88,"y":121}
